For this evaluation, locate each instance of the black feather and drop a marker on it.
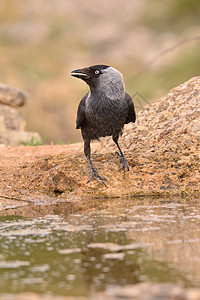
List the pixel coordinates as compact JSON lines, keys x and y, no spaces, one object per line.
{"x":81,"y":117}
{"x":131,"y":110}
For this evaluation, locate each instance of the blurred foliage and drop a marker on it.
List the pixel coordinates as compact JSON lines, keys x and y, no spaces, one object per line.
{"x":171,"y":15}
{"x":34,"y":142}
{"x":156,"y":83}
{"x":42,"y":41}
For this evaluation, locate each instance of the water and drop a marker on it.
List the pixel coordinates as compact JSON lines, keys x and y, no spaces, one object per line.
{"x":126,"y":242}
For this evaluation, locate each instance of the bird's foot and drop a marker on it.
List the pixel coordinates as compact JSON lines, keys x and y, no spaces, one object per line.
{"x":123,"y":162}
{"x":94,"y":175}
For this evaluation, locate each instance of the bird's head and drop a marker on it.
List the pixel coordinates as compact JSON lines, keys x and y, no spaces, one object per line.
{"x":103,"y":79}
{"x":90,"y":74}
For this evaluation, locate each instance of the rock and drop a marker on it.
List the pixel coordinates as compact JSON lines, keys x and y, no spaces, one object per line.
{"x":10,"y":119}
{"x":172,"y":124}
{"x":17,"y":137}
{"x":12,"y":125}
{"x":58,"y":182}
{"x":12,"y":96}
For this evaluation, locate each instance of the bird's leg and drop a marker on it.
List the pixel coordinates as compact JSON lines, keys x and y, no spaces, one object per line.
{"x":94,"y":174}
{"x":122,"y":159}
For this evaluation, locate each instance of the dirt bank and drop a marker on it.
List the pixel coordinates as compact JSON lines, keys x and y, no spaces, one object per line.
{"x":162,"y":149}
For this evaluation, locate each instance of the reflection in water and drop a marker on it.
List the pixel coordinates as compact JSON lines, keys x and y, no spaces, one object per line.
{"x":78,"y":254}
{"x":101,"y":267}
{"x":172,"y":232}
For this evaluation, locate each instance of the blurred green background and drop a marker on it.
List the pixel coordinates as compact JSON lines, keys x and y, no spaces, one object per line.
{"x":149,"y":41}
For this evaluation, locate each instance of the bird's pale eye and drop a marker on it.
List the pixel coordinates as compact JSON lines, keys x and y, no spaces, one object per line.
{"x":96,"y":72}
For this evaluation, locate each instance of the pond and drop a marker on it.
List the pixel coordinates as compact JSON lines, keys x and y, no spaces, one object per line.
{"x":129,"y":241}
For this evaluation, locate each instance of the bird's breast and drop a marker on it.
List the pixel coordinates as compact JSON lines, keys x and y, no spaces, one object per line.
{"x":104,"y":118}
{"x":104,"y":108}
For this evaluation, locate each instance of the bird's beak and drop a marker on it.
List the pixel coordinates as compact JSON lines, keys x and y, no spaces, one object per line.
{"x":81,"y":73}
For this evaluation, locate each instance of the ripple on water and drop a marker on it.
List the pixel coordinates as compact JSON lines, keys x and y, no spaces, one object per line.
{"x":76,"y":254}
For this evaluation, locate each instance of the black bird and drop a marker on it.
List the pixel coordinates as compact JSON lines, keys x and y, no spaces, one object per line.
{"x":104,"y":110}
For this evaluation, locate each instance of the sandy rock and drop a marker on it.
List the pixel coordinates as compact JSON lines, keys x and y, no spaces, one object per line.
{"x":11,"y":119}
{"x":173,"y":122}
{"x":12,"y":125}
{"x":16,"y":137}
{"x":57,"y":180}
{"x":12,"y":96}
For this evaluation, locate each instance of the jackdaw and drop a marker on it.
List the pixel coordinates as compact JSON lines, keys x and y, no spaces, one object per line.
{"x":104,"y":110}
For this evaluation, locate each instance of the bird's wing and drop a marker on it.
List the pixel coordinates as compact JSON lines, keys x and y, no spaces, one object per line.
{"x":131,"y":116}
{"x":81,"y":113}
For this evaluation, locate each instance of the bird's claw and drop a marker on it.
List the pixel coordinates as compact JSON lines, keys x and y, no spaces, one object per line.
{"x":94,"y":175}
{"x":123,"y":162}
